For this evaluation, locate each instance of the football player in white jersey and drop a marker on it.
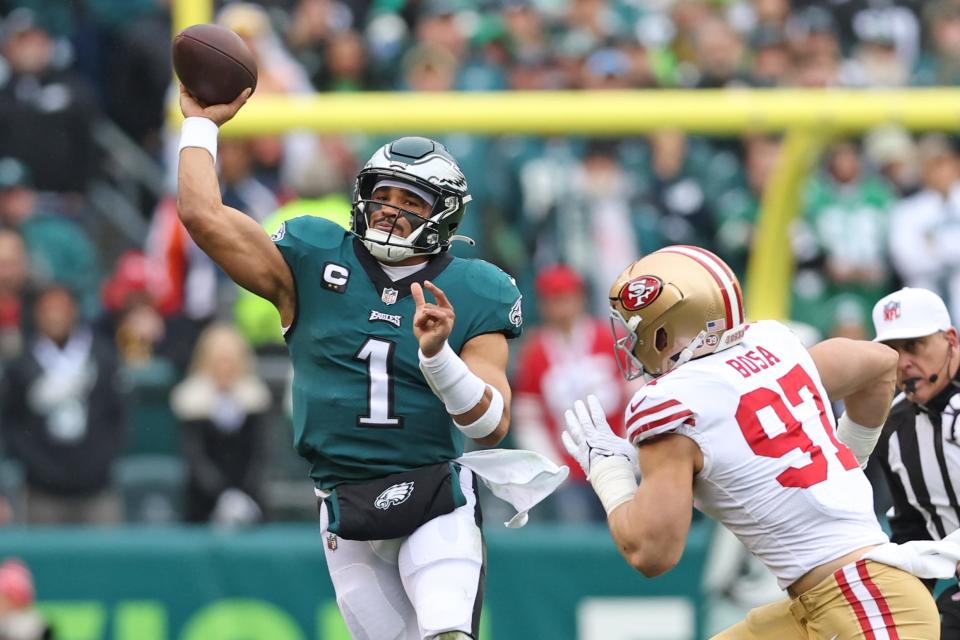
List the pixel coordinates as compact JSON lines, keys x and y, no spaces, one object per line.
{"x":736,"y":420}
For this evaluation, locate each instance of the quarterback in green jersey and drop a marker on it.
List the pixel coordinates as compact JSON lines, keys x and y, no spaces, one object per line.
{"x":399,"y":354}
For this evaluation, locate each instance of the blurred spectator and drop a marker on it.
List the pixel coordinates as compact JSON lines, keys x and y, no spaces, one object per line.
{"x":686,"y":17}
{"x":133,"y":321}
{"x":607,"y":68}
{"x":19,"y":619}
{"x":892,"y":152}
{"x":941,"y":63}
{"x":221,"y":407}
{"x":576,"y":210}
{"x":137,"y":67}
{"x":540,"y":73}
{"x":59,"y":248}
{"x":438,"y":25}
{"x":565,"y":359}
{"x":314,"y":26}
{"x":925,"y":228}
{"x":770,"y":14}
{"x":61,"y":415}
{"x":428,"y":68}
{"x":486,"y":69}
{"x":719,"y":54}
{"x":845,"y":222}
{"x":239,"y":187}
{"x":812,"y":32}
{"x":848,"y":319}
{"x":770,"y":66}
{"x":815,"y":44}
{"x":737,"y":208}
{"x":346,"y":64}
{"x":526,"y":31}
{"x":876,"y":61}
{"x":46,"y":110}
{"x":676,"y":190}
{"x":14,"y":272}
{"x":277,"y":70}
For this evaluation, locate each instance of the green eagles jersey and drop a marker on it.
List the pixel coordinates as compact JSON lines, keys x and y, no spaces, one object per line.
{"x":361,"y":407}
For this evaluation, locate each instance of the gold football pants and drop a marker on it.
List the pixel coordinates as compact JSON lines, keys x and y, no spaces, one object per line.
{"x":863,"y":600}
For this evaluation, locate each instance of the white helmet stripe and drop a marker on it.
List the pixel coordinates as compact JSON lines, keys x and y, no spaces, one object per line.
{"x":733,"y":302}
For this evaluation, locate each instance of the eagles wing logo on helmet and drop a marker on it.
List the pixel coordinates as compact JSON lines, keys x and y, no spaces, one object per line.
{"x":394,"y":494}
{"x":640,"y":292}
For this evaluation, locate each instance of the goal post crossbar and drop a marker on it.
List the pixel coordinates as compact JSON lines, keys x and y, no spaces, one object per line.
{"x":805,"y":117}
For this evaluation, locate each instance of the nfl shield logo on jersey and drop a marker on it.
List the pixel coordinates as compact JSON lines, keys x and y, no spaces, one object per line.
{"x":332,"y":541}
{"x":389,"y":296}
{"x":891,"y":311}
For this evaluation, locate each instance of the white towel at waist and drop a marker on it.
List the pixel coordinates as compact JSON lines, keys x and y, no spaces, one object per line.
{"x":519,"y":477}
{"x":922,"y":558}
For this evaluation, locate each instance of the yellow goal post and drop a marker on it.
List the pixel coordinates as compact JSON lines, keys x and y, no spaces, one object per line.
{"x":805,"y":117}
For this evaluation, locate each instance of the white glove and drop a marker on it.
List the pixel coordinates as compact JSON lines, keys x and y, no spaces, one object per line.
{"x":589,"y":439}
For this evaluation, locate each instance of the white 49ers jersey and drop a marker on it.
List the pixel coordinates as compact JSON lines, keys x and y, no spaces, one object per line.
{"x":774,"y":472}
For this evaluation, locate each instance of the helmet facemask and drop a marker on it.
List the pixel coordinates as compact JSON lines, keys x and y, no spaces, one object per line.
{"x":624,"y":343}
{"x":423,"y":167}
{"x":390,"y":246}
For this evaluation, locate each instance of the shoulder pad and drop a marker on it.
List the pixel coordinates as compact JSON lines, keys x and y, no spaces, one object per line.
{"x":311,"y":230}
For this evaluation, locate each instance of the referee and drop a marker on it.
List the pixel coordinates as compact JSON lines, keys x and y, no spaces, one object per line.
{"x":919,"y":449}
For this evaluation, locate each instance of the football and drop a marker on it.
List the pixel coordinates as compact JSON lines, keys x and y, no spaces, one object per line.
{"x":213,"y":63}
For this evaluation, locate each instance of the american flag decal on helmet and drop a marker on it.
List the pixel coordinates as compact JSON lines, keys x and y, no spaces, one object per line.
{"x":716,"y":325}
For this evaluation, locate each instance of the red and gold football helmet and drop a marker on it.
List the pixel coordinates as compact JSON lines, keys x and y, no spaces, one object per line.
{"x":673,"y":305}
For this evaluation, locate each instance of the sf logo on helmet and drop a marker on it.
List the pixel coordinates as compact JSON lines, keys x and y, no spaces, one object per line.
{"x":640,"y":292}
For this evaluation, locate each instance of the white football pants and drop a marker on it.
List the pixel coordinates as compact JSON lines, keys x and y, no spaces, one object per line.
{"x":416,"y":587}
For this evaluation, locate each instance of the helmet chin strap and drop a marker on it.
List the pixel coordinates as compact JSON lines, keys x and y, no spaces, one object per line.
{"x":688,"y":350}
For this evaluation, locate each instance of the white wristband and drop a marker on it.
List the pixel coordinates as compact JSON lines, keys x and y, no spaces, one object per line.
{"x":613,"y":481}
{"x":861,"y":440}
{"x":487,"y":423}
{"x":451,"y":380}
{"x":201,"y":133}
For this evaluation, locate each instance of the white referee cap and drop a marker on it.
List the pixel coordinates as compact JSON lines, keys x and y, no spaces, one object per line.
{"x":909,"y":313}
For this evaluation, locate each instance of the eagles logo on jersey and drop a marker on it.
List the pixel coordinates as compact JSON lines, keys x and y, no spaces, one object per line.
{"x":394,"y":494}
{"x":516,"y":312}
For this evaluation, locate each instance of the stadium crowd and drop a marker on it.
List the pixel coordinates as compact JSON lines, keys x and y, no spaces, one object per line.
{"x":108,"y":309}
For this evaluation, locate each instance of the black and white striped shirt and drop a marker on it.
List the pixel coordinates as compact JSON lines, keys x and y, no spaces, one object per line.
{"x":920,"y":457}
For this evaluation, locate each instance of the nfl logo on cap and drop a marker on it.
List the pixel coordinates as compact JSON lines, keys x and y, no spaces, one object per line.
{"x":389,"y":296}
{"x":909,"y":313}
{"x":891,"y":311}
